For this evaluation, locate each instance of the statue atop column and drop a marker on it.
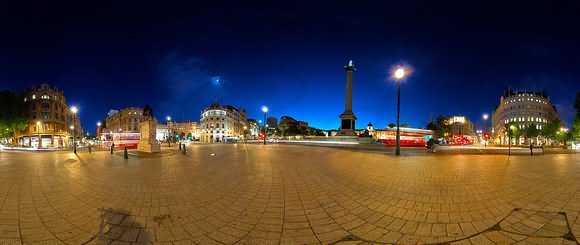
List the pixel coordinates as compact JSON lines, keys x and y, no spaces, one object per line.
{"x":347,"y":118}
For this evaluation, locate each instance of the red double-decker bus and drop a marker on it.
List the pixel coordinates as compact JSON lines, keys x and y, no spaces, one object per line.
{"x":130,"y":140}
{"x":408,"y":136}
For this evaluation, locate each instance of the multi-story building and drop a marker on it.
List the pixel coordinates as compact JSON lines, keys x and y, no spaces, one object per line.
{"x":50,"y":121}
{"x":162,"y":132}
{"x":185,"y":130}
{"x":253,"y":128}
{"x":126,"y":120}
{"x":220,"y":123}
{"x":523,"y":108}
{"x":286,"y":122}
{"x":272,"y":122}
{"x":460,"y":130}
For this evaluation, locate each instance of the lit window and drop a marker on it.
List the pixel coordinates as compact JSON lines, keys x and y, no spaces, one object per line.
{"x":34,"y":96}
{"x":25,"y":99}
{"x":45,"y":97}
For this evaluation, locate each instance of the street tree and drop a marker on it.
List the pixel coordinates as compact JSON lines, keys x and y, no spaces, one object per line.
{"x":551,"y":129}
{"x":12,"y":114}
{"x":514,"y":132}
{"x":576,"y":124}
{"x":531,"y":132}
{"x":442,"y":126}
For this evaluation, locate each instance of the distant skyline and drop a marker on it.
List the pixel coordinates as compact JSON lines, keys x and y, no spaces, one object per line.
{"x":291,"y":59}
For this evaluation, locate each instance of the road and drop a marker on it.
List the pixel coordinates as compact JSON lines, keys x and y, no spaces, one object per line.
{"x":287,"y":194}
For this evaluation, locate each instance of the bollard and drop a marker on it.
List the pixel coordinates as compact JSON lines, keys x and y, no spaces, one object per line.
{"x":112,"y":148}
{"x":184,"y":150}
{"x":126,"y":153}
{"x":90,"y":149}
{"x":179,"y":145}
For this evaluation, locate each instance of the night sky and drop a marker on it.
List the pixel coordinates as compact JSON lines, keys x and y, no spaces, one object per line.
{"x":291,"y":58}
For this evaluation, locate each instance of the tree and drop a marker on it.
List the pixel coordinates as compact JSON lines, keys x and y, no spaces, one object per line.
{"x":531,"y":131}
{"x":576,"y":124}
{"x":432,"y":126}
{"x":443,"y":128}
{"x":12,"y":114}
{"x":576,"y":129}
{"x":392,"y":125}
{"x":551,"y":129}
{"x":513,"y":131}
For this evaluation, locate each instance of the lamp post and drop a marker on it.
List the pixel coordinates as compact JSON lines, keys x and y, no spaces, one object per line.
{"x":511,"y":128}
{"x":485,"y":116}
{"x":168,"y":132}
{"x":74,"y":110}
{"x":399,"y":75}
{"x":265,"y":110}
{"x":245,"y":130}
{"x":38,"y":131}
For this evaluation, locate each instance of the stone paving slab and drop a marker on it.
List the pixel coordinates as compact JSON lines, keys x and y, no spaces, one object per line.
{"x":287,"y":194}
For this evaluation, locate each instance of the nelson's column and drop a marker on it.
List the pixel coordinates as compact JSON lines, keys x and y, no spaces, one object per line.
{"x":347,"y":118}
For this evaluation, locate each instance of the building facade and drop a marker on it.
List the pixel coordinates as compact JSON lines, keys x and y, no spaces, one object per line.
{"x":253,"y":129}
{"x":50,"y":121}
{"x":522,"y":108}
{"x":272,"y":122}
{"x":460,"y":130}
{"x":185,"y":130}
{"x":220,"y":123}
{"x":125,"y":120}
{"x":162,"y":132}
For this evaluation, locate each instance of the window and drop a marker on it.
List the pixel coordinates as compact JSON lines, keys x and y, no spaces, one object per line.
{"x":34,"y":96}
{"x":45,"y":106}
{"x":45,"y":115}
{"x":25,"y":99}
{"x":45,"y":97}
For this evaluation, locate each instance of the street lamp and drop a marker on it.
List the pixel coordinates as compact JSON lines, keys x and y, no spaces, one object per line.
{"x":74,"y":110}
{"x":265,"y":110}
{"x":511,"y":128}
{"x":168,"y":118}
{"x":399,"y":74}
{"x":485,"y":116}
{"x":38,"y":130}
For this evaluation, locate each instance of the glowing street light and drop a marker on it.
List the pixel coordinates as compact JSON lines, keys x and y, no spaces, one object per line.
{"x":169,"y":136}
{"x":265,"y":110}
{"x":511,"y":128}
{"x":38,"y":129}
{"x":399,"y":74}
{"x":74,"y":111}
{"x":99,"y":124}
{"x":485,"y":116}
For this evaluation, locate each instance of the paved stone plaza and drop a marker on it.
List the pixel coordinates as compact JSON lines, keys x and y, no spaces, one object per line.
{"x":287,"y":194}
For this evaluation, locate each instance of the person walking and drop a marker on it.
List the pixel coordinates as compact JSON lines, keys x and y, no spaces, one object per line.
{"x":531,"y":149}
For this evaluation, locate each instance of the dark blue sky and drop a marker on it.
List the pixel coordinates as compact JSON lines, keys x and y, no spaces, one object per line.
{"x":291,"y":58}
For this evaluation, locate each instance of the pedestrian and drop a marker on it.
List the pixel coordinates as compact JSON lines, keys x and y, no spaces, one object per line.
{"x":531,"y":149}
{"x":90,"y":148}
{"x":112,"y":148}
